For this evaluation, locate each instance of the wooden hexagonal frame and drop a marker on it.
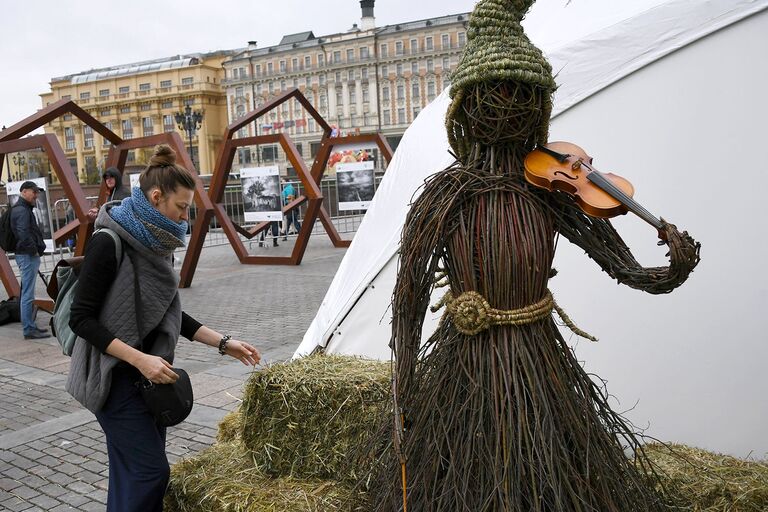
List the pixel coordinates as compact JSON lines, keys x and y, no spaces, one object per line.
{"x":11,"y":140}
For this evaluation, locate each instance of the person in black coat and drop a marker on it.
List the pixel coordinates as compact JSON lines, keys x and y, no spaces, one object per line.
{"x":29,"y":247}
{"x":113,"y":179}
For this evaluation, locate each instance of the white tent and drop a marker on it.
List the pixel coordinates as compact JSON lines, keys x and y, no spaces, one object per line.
{"x":671,"y":95}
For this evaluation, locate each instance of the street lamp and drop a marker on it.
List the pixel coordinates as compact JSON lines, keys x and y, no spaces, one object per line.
{"x":189,"y":122}
{"x":19,"y":161}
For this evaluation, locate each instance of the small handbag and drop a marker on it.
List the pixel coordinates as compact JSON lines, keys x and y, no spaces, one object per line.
{"x":169,"y":404}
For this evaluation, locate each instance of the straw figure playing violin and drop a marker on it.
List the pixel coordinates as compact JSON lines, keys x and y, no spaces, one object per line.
{"x":494,"y":413}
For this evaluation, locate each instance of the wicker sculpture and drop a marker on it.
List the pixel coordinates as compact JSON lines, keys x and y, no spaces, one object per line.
{"x":497,"y":414}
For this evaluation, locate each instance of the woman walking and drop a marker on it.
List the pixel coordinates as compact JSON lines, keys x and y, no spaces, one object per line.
{"x":128,"y":318}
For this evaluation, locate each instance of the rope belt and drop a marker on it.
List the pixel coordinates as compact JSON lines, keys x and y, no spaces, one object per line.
{"x":472,"y":314}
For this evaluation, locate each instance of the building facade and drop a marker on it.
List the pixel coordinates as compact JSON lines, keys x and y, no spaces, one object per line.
{"x":137,"y":100}
{"x":368,"y":79}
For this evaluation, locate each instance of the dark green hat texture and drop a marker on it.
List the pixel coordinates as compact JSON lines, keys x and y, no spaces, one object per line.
{"x":498,"y":49}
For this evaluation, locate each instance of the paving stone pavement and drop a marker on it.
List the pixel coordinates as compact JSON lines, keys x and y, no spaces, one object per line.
{"x":52,"y":451}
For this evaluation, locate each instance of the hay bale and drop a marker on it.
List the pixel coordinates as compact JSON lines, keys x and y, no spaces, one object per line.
{"x":710,"y":482}
{"x":305,"y":418}
{"x":230,"y":427}
{"x":224,"y":479}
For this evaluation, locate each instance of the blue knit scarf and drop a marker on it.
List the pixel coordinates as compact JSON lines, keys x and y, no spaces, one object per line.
{"x":147,"y":225}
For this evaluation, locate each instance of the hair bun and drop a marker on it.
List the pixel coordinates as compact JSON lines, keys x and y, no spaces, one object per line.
{"x":163,"y":156}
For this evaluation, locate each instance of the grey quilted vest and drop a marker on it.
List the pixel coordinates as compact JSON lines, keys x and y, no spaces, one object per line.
{"x":90,"y":372}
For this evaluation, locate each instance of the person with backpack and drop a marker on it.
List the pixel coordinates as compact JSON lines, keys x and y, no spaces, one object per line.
{"x":127,"y":316}
{"x":29,"y":247}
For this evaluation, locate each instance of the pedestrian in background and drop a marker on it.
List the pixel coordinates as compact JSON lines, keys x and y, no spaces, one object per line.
{"x":113,"y":179}
{"x":128,"y":318}
{"x":29,"y":247}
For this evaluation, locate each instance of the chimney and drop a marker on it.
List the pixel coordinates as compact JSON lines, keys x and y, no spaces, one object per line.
{"x":368,"y":21}
{"x":251,"y":45}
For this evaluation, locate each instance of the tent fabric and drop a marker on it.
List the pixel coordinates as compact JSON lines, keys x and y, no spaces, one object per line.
{"x":354,"y":316}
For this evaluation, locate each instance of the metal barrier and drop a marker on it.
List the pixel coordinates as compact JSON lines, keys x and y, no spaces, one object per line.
{"x":345,"y":221}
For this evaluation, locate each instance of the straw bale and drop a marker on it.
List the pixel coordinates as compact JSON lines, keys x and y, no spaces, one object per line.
{"x":306,"y":417}
{"x":224,"y":479}
{"x":230,"y":427}
{"x":712,"y":482}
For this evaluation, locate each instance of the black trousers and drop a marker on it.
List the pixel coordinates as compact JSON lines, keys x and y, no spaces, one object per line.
{"x":138,"y":466}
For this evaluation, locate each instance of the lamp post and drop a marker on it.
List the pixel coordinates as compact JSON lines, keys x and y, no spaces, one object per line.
{"x":189,"y":122}
{"x":19,"y":161}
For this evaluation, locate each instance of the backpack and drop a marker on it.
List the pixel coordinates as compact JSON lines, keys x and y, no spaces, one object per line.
{"x":10,"y":311}
{"x":62,"y":288}
{"x":7,"y":237}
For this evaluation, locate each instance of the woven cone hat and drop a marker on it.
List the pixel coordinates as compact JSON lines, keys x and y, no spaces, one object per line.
{"x":498,"y":49}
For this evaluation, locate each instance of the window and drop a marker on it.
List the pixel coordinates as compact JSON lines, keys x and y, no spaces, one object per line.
{"x":307,"y":62}
{"x":366,"y":96}
{"x":146,"y":106}
{"x":363,"y":52}
{"x":187,"y":80}
{"x":400,"y":92}
{"x":323,"y":101}
{"x":295,"y":83}
{"x":322,"y":79}
{"x":104,"y":92}
{"x":105,"y":112}
{"x":124,"y":89}
{"x":385,"y":93}
{"x":416,"y":111}
{"x":431,"y":90}
{"x":271,"y":87}
{"x":401,"y":116}
{"x":350,"y":55}
{"x":236,"y":73}
{"x":66,"y":97}
{"x":165,"y":83}
{"x":67,"y":117}
{"x":414,"y":46}
{"x":351,"y":74}
{"x":415,"y":91}
{"x":146,"y":126}
{"x":189,"y":102}
{"x":311,"y":125}
{"x":445,"y":41}
{"x":87,"y":137}
{"x":168,"y":124}
{"x":258,"y":69}
{"x":384,"y":72}
{"x":269,"y":153}
{"x":384,"y":50}
{"x":269,"y":68}
{"x":386,"y":119}
{"x":339,"y":99}
{"x":85,"y":95}
{"x":314,"y":147}
{"x":430,"y":66}
{"x":167,"y":104}
{"x":398,"y":47}
{"x":69,"y":138}
{"x":258,"y":89}
{"x":125,"y":110}
{"x":308,"y":81}
{"x":127,"y":129}
{"x":295,"y":64}
{"x":352,"y":95}
{"x":336,"y":57}
{"x":338,"y":76}
{"x":462,"y":39}
{"x":238,"y":92}
{"x":446,"y":63}
{"x":429,"y":43}
{"x":320,"y":59}
{"x":104,"y":141}
{"x":415,"y":68}
{"x":282,"y":66}
{"x":282,"y":85}
{"x":364,"y":74}
{"x":144,"y":87}
{"x":399,"y":70}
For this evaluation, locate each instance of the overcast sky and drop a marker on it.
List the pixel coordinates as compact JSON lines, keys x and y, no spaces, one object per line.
{"x":41,"y":39}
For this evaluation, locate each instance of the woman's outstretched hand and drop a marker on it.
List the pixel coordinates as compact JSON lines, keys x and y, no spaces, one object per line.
{"x":246,"y":353}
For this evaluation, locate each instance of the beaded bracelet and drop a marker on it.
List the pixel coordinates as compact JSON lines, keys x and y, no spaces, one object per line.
{"x":223,"y":344}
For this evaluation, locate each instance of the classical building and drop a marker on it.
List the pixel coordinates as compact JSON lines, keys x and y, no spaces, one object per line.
{"x":366,"y":79}
{"x":141,"y":99}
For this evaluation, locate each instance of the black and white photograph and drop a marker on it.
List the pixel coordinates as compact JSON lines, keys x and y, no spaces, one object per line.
{"x":355,"y":184}
{"x":261,"y":193}
{"x":41,"y":211}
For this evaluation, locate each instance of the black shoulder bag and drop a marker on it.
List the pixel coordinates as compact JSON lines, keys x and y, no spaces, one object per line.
{"x":169,"y":404}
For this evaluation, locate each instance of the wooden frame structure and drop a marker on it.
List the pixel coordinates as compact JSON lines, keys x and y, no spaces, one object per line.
{"x":12,"y":139}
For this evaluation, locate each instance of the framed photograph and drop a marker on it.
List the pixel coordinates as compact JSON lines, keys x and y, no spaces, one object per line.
{"x":350,"y":153}
{"x":41,"y":210}
{"x":355,"y":183}
{"x":261,"y":193}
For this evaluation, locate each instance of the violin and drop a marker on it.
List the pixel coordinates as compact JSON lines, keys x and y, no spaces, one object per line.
{"x":566,"y":167}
